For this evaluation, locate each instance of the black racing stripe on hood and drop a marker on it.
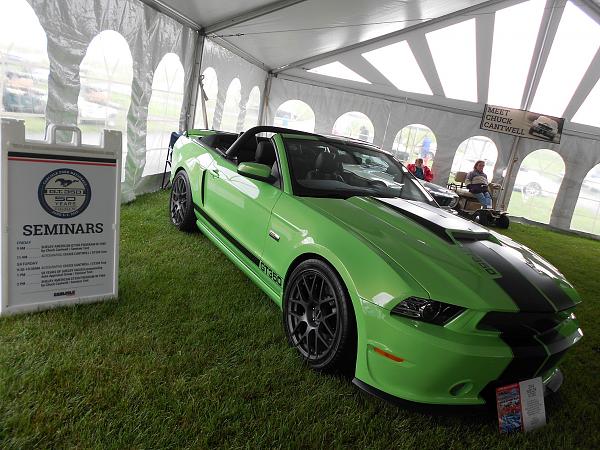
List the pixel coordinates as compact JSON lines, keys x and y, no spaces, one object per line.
{"x":529,"y":355}
{"x":556,"y":295}
{"x":522,"y":291}
{"x":435,"y":228}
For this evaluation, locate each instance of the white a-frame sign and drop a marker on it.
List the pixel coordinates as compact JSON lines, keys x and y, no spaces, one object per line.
{"x":60,"y":218}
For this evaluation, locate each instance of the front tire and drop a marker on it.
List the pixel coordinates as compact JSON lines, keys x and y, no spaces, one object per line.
{"x":318,"y":318}
{"x":503,"y":222}
{"x":180,"y":205}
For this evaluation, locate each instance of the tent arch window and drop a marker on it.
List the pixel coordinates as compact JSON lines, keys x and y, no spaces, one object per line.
{"x":231,"y":108}
{"x":24,"y":67}
{"x":536,"y":185}
{"x":476,"y":148}
{"x":210,"y":84}
{"x":295,"y":114}
{"x":356,"y":125}
{"x":106,"y":73}
{"x":586,"y":216}
{"x":252,"y":109}
{"x":415,"y":141}
{"x":164,"y":111}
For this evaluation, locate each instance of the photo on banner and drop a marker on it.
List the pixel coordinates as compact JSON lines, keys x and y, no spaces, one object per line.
{"x":521,"y":123}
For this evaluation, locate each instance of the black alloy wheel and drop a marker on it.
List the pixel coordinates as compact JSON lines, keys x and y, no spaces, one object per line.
{"x":180,"y":204}
{"x":318,"y":318}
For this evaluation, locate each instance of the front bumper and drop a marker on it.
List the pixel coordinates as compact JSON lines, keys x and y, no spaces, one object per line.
{"x":552,"y":383}
{"x":457,"y":364}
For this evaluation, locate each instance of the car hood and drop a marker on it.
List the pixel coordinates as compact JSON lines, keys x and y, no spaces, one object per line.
{"x":438,"y":190}
{"x":455,"y":260}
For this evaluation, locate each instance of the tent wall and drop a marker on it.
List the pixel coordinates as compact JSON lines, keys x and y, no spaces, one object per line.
{"x":70,"y":26}
{"x":579,"y":153}
{"x":229,"y":66}
{"x":388,"y":119}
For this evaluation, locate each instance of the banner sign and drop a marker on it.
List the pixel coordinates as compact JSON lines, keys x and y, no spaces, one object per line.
{"x":521,"y":406}
{"x":62,"y":221}
{"x":526,"y":124}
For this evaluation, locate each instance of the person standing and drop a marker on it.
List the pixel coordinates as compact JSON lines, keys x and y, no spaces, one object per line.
{"x":420,"y":170}
{"x":477,"y":184}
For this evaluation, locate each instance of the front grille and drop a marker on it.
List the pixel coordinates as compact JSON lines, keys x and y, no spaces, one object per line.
{"x":521,"y":324}
{"x":534,"y":340}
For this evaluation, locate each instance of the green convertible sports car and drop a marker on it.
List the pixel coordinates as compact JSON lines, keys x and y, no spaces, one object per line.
{"x":372,"y":276}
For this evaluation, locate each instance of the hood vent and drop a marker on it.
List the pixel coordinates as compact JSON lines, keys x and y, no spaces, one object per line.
{"x":437,"y":221}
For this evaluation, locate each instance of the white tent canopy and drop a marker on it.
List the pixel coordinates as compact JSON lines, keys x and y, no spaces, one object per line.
{"x":407,"y":75}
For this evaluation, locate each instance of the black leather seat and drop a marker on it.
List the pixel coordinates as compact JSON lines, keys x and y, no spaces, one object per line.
{"x":265,"y":153}
{"x":326,"y":168}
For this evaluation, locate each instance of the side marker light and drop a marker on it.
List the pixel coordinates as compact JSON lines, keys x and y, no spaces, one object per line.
{"x":388,"y":355}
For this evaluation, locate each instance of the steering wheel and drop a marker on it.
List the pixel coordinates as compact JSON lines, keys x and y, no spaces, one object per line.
{"x":377,"y":184}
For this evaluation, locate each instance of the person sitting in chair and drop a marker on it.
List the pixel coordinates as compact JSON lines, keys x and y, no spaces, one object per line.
{"x":477,"y":184}
{"x":419,"y":170}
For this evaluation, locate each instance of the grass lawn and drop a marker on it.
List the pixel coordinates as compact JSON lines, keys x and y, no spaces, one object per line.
{"x":194,"y":355}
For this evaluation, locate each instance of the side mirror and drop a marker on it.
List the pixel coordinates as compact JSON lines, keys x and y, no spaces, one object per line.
{"x":256,"y":171}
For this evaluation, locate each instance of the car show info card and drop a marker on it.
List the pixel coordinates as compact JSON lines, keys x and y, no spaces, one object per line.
{"x":521,"y":406}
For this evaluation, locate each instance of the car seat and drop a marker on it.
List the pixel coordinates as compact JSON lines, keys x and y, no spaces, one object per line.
{"x":326,"y":168}
{"x":265,"y":153}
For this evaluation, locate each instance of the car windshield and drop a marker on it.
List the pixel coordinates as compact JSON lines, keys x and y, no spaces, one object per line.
{"x":331,"y":168}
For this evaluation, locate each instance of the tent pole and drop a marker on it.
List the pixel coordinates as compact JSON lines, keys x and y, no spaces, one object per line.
{"x":548,"y":27}
{"x":265,"y":99}
{"x":195,"y":82}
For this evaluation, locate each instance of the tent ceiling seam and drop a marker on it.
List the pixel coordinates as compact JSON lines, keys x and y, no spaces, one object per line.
{"x":249,"y":15}
{"x":484,"y":32}
{"x":162,"y":7}
{"x":546,"y":35}
{"x":239,"y":52}
{"x":399,"y":33}
{"x":589,"y":80}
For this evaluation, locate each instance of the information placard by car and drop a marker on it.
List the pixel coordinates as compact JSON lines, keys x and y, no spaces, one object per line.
{"x":526,"y":124}
{"x":60,"y":211}
{"x":521,"y":406}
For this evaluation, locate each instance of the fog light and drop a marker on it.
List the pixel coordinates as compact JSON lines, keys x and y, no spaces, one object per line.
{"x":462,"y":388}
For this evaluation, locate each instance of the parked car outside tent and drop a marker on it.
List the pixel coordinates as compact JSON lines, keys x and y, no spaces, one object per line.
{"x":533,"y":183}
{"x":372,"y":277}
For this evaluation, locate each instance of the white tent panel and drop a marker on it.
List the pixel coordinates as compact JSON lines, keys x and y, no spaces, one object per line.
{"x":398,"y":64}
{"x":207,"y":12}
{"x":577,"y":41}
{"x":337,"y":70}
{"x":290,"y":34}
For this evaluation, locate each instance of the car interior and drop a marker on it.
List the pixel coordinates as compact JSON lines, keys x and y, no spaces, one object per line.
{"x":259,"y":150}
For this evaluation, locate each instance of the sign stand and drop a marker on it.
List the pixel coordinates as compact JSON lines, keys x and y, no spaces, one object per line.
{"x":60,"y":209}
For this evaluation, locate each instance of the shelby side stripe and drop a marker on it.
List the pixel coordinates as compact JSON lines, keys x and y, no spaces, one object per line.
{"x":226,"y":235}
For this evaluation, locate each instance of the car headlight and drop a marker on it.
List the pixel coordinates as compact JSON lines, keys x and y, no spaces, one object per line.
{"x":430,"y":311}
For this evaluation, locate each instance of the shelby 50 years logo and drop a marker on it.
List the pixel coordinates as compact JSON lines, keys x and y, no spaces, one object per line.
{"x":64,"y":193}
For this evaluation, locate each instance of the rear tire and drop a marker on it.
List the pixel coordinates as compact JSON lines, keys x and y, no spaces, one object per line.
{"x":481,"y":217}
{"x":318,"y":318}
{"x":181,"y":207}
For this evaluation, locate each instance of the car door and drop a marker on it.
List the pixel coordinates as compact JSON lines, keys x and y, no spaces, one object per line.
{"x":240,"y":207}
